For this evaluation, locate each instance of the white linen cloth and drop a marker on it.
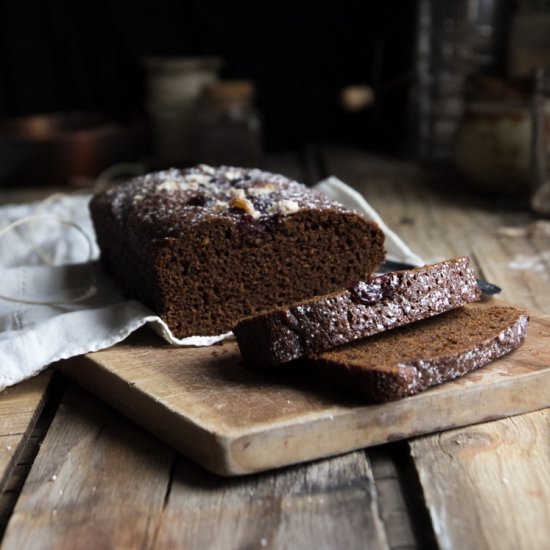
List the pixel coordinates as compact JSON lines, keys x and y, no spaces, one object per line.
{"x":33,"y":336}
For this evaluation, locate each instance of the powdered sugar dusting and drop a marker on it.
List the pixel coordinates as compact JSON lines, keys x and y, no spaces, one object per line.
{"x":170,"y":185}
{"x":165,"y":200}
{"x":322,"y":323}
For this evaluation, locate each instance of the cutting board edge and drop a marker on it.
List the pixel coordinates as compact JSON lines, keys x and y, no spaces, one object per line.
{"x":213,"y":453}
{"x":235,"y":452}
{"x":244,"y":459}
{"x":221,"y":449}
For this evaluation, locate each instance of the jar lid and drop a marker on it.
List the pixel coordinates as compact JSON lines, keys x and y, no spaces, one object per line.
{"x":230,"y":90}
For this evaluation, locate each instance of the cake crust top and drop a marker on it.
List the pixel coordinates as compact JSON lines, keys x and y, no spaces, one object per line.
{"x":170,"y":200}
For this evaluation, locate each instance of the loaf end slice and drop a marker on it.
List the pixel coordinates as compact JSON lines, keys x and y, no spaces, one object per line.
{"x":205,"y":247}
{"x":407,"y":361}
{"x":369,"y":307}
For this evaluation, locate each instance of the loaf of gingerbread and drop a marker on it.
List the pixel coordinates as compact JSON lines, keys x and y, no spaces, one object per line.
{"x":205,"y":247}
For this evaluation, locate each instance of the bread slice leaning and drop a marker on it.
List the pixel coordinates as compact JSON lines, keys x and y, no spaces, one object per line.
{"x":366,"y":308}
{"x":410,"y":359}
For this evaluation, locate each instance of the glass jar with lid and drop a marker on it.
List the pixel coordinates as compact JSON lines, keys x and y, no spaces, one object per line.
{"x":228,"y":126}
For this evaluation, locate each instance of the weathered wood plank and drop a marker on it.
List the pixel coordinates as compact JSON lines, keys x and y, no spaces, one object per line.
{"x":393,"y":508}
{"x":486,"y":486}
{"x":324,"y":505}
{"x":20,"y":407}
{"x":14,"y":483}
{"x":99,"y":481}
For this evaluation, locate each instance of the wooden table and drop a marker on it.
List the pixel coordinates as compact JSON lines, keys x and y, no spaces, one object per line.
{"x":76,"y":474}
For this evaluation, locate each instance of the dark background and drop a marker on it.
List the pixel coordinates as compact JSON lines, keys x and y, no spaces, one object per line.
{"x":63,"y":55}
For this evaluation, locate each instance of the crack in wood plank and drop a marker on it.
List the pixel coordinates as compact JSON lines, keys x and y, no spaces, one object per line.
{"x":29,"y":448}
{"x":392,"y":507}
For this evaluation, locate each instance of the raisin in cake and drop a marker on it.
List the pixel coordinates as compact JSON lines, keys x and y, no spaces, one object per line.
{"x":204,"y":247}
{"x":408,"y":360}
{"x":368,"y":307}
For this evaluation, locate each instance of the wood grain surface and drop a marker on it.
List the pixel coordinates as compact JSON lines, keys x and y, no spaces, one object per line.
{"x":473,"y":499}
{"x":93,"y":469}
{"x":475,"y":476}
{"x":20,"y":407}
{"x":99,"y":481}
{"x":232,"y":420}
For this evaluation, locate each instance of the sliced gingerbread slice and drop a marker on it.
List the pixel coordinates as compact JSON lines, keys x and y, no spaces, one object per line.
{"x":408,"y":360}
{"x":383,"y":302}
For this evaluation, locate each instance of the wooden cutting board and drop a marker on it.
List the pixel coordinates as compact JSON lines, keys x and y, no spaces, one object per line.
{"x":233,"y":421}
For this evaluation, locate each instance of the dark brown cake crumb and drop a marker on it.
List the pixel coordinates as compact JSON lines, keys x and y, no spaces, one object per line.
{"x":205,"y":247}
{"x":372,"y":306}
{"x":408,"y":360}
